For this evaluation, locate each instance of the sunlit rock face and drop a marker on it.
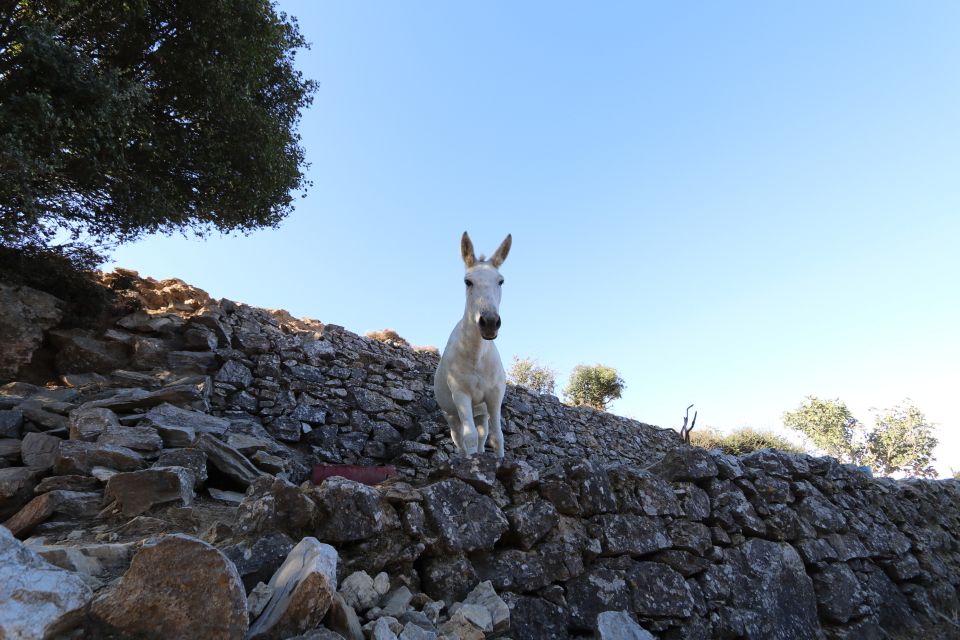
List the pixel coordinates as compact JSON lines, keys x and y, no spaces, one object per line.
{"x":202,"y":418}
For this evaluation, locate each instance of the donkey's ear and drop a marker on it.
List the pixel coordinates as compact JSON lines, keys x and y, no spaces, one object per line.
{"x":501,"y":253}
{"x":466,"y":251}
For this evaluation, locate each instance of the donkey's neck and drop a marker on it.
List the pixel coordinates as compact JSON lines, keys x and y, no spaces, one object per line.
{"x":469,"y":341}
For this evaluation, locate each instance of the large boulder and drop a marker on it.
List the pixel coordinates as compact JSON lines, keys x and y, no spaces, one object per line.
{"x":349,"y":511}
{"x":37,"y":599}
{"x":177,"y":587}
{"x":303,"y":588}
{"x":25,"y":314}
{"x":137,"y":491}
{"x":466,"y":520}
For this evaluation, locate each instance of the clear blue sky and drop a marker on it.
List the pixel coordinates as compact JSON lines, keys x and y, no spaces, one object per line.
{"x":734,"y":204}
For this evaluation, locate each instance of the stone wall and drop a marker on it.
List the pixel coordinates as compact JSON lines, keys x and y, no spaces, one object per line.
{"x":156,"y":423}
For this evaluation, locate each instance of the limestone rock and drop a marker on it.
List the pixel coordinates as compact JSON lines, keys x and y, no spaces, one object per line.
{"x":348,"y":511}
{"x":485,"y":596}
{"x":465,"y":519}
{"x":169,"y":419}
{"x":38,"y":510}
{"x":37,"y":599}
{"x":342,"y":619}
{"x":274,"y":504}
{"x":25,"y":314}
{"x":303,"y":588}
{"x":619,"y":625}
{"x":144,"y":439}
{"x":138,"y":491}
{"x":177,"y":587}
{"x":358,"y":591}
{"x":228,"y":460}
{"x":630,"y":534}
{"x":530,"y":522}
{"x":193,"y":459}
{"x":686,"y":463}
{"x":257,"y":559}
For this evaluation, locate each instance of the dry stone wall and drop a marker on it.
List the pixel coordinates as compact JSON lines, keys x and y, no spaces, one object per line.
{"x":201,"y":417}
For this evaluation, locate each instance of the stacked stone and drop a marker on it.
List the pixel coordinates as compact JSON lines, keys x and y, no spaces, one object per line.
{"x":202,"y":417}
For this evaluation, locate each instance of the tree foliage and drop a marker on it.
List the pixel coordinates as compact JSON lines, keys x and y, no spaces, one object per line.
{"x":829,"y":425}
{"x":526,"y":372}
{"x":742,"y":441}
{"x":594,"y":386}
{"x":119,"y":119}
{"x":900,"y":441}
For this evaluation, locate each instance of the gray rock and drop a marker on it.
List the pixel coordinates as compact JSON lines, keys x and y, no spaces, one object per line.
{"x":303,"y":588}
{"x":838,"y":593}
{"x":535,"y":617}
{"x":619,"y":625}
{"x":228,"y":460}
{"x":78,"y":457}
{"x":274,"y":504}
{"x":16,"y":488}
{"x":88,"y":423}
{"x":530,"y":522}
{"x":138,"y":491}
{"x":38,"y":510}
{"x":448,"y":578}
{"x":144,"y":439}
{"x":25,"y":314}
{"x":348,"y":511}
{"x":485,"y":596}
{"x":169,"y":418}
{"x":258,"y":598}
{"x":257,"y":559}
{"x":235,"y":373}
{"x":686,"y":463}
{"x":79,"y":350}
{"x":371,"y":401}
{"x":358,"y":591}
{"x":39,"y":450}
{"x":193,"y":459}
{"x":659,"y":591}
{"x":38,"y":599}
{"x":396,"y":603}
{"x":11,"y":422}
{"x":465,"y":519}
{"x":630,"y":534}
{"x":601,"y":589}
{"x":341,"y":618}
{"x":88,"y":559}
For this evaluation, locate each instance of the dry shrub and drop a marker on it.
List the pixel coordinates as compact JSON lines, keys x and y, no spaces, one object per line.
{"x":742,"y":441}
{"x":389,"y":336}
{"x":426,"y":348}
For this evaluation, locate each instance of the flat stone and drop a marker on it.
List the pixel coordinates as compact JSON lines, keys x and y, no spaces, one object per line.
{"x":88,"y":423}
{"x":41,"y":508}
{"x":10,"y":450}
{"x":232,"y":497}
{"x":177,"y":587}
{"x":396,"y":603}
{"x":137,"y":438}
{"x":193,"y":459}
{"x":16,"y":488}
{"x":39,"y":450}
{"x":228,"y":460}
{"x":166,"y":417}
{"x":67,"y":483}
{"x":620,"y":625}
{"x":303,"y":591}
{"x":78,"y":457}
{"x":88,"y":559}
{"x":38,"y":599}
{"x":79,"y":350}
{"x":258,"y":559}
{"x":138,"y":491}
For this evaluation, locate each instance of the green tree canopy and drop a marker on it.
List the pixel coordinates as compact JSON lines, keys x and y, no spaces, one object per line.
{"x":900,"y":441}
{"x":829,"y":425}
{"x":526,"y":372}
{"x":594,"y":386}
{"x":124,"y":118}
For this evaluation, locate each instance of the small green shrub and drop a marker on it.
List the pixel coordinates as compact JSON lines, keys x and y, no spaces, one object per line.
{"x":742,"y":441}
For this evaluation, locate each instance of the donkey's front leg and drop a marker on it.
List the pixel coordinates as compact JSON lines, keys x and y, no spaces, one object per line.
{"x":468,"y":430}
{"x":495,"y":430}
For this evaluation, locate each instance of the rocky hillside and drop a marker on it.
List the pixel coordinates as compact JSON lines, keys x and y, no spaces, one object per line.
{"x":154,"y":483}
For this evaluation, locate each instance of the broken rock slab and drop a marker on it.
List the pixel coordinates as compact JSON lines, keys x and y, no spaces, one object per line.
{"x":485,"y":596}
{"x":138,"y":491}
{"x":79,"y":458}
{"x":168,"y":416}
{"x":619,"y":625}
{"x":228,"y":460}
{"x":41,"y":508}
{"x":177,"y":587}
{"x":88,"y":423}
{"x":37,"y":599}
{"x":303,"y":590}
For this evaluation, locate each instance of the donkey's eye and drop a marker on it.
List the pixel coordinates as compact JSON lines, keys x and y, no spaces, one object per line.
{"x":469,"y":283}
{"x":501,"y":282}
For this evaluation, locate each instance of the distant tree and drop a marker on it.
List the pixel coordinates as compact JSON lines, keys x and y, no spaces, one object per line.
{"x":955,"y":473}
{"x":526,"y":372}
{"x":829,"y":425}
{"x":124,"y":118}
{"x":594,"y":386}
{"x":742,"y":441}
{"x":901,"y":441}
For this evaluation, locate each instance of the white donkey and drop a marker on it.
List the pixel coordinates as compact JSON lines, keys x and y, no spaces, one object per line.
{"x":470,"y":381}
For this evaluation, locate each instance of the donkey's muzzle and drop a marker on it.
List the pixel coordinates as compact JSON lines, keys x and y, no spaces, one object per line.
{"x":489,"y":326}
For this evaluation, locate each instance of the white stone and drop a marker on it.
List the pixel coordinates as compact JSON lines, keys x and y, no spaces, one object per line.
{"x":618,"y":625}
{"x":485,"y":595}
{"x":37,"y":599}
{"x":359,"y":592}
{"x":382,"y":583}
{"x":258,"y":598}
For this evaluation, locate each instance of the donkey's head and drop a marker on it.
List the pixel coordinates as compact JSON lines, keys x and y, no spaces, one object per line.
{"x":483,"y":282}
